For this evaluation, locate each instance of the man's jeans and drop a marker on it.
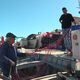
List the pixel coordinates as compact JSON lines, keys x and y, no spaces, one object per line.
{"x":67,"y":38}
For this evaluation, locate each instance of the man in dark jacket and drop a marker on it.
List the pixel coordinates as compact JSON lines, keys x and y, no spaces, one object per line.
{"x":8,"y":56}
{"x":66,"y":20}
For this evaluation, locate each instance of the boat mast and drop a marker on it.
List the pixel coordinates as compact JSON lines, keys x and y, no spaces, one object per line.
{"x":79,"y":6}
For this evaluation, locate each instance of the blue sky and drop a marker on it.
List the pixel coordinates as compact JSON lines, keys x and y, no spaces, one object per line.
{"x":23,"y":17}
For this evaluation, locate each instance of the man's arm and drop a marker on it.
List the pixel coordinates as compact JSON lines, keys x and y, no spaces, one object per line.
{"x":73,"y":20}
{"x":60,"y":19}
{"x":12,"y":63}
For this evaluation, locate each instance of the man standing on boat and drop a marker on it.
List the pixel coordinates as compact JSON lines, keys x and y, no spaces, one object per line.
{"x":66,"y":20}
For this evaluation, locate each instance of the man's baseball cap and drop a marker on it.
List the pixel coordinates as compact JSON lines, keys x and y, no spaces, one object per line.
{"x":10,"y":35}
{"x":64,"y":8}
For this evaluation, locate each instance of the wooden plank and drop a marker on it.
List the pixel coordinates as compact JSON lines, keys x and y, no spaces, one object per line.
{"x":28,"y":64}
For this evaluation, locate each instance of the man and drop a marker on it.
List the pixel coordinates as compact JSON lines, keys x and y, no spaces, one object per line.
{"x":66,"y":20}
{"x":8,"y":56}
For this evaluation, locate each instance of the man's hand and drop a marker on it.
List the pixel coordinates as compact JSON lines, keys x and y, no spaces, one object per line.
{"x":74,"y":22}
{"x":12,"y":63}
